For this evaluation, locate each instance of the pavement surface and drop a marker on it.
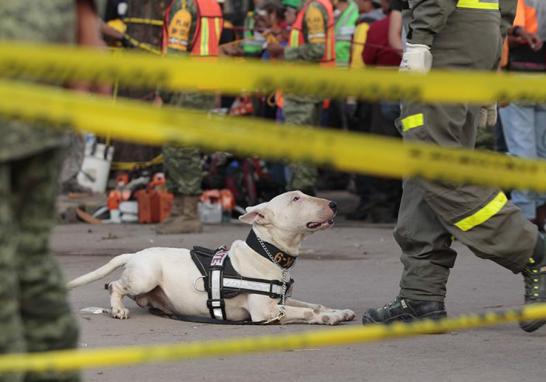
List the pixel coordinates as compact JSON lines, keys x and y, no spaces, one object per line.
{"x":349,"y":266}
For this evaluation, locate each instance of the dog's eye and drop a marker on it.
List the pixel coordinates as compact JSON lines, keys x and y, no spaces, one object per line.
{"x":296,"y":198}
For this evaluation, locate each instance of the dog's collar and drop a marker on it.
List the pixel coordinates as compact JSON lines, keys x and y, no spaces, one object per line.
{"x":269,"y":251}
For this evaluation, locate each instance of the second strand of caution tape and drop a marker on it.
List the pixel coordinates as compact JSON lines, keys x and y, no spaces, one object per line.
{"x":140,"y":122}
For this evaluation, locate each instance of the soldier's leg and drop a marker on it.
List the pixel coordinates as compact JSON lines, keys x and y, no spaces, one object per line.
{"x":481,"y":218}
{"x":425,"y":243}
{"x":48,"y":322}
{"x":183,"y":170}
{"x":489,"y":225}
{"x":427,"y":259}
{"x":302,"y":112}
{"x":11,"y":329}
{"x":182,"y":166}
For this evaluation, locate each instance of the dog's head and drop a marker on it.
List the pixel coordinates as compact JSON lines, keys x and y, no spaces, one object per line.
{"x":292,"y":213}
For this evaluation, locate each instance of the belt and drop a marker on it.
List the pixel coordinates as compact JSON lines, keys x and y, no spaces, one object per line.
{"x":492,"y":5}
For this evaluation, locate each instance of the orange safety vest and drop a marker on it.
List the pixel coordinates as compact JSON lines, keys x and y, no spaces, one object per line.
{"x":297,"y":38}
{"x":206,"y":39}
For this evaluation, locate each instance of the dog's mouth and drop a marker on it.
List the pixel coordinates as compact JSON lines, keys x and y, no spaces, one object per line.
{"x":321,"y":225}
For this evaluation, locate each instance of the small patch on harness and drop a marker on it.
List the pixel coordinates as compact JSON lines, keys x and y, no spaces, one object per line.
{"x":218,"y":258}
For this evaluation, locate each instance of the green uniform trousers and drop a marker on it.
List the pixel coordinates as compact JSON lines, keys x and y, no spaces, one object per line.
{"x":182,"y":164}
{"x":34,"y":312}
{"x":302,"y":111}
{"x":432,"y":213}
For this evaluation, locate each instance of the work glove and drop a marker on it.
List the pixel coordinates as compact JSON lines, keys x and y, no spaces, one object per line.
{"x":488,"y":116}
{"x":416,"y":58}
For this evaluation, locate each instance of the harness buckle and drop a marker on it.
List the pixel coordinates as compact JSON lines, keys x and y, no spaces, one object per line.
{"x":195,"y":284}
{"x":274,"y":294}
{"x":216,"y":303}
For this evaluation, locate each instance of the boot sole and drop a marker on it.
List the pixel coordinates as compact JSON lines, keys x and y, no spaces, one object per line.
{"x":531,"y":326}
{"x":435,"y":316}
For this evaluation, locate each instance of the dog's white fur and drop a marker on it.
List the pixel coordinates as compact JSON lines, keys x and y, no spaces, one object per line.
{"x":167,"y":278}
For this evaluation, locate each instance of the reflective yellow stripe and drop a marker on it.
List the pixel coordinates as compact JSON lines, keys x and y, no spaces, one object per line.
{"x":412,"y":121}
{"x":204,"y":37}
{"x":218,"y":27}
{"x":479,"y":4}
{"x":294,"y":38}
{"x":484,"y":214}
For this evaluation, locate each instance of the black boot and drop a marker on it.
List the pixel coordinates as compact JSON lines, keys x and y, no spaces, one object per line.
{"x":403,"y":309}
{"x":534,"y":276}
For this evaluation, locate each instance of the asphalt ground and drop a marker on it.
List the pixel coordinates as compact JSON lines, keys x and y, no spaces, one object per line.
{"x":349,"y":266}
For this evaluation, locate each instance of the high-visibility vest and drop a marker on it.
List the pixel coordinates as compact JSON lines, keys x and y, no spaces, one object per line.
{"x":297,"y":38}
{"x":208,"y":28}
{"x":344,"y":30}
{"x":358,"y":42}
{"x":251,"y":46}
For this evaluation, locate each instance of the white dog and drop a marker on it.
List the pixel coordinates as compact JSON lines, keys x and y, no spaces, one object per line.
{"x":168,"y":279}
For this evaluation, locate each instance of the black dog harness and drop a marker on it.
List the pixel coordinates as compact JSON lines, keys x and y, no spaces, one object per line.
{"x":222,"y":281}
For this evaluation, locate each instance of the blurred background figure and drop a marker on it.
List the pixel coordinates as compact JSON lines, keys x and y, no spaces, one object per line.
{"x":337,"y":113}
{"x":346,"y":15}
{"x":312,"y":40}
{"x":385,"y":194}
{"x":524,"y":123}
{"x":379,"y":197}
{"x":192,"y":27}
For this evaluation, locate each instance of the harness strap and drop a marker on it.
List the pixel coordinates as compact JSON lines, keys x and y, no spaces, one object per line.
{"x":272,"y":289}
{"x":216,"y":303}
{"x":203,"y":320}
{"x":222,"y":281}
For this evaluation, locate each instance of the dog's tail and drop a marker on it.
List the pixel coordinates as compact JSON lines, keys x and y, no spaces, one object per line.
{"x":99,"y":273}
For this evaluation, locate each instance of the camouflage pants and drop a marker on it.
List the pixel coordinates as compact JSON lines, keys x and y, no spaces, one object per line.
{"x":302,"y":111}
{"x":34,"y":312}
{"x":182,"y":165}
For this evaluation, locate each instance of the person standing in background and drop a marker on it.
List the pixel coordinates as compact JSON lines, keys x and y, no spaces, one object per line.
{"x":311,"y":40}
{"x":338,"y":112}
{"x":365,"y":114}
{"x":346,"y":15}
{"x":524,"y":123}
{"x":384,"y":199}
{"x":191,"y":28}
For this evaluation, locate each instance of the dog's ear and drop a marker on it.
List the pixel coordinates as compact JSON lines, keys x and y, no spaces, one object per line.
{"x":259,"y":214}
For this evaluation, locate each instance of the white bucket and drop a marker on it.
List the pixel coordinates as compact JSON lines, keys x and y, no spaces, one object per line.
{"x":96,"y":167}
{"x":210,"y":213}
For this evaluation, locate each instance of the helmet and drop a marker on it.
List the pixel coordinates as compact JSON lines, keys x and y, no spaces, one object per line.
{"x":296,"y":4}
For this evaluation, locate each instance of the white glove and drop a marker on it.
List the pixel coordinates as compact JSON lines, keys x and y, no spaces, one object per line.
{"x":416,"y":58}
{"x":488,"y":116}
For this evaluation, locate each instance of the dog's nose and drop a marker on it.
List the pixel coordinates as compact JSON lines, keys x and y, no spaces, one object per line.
{"x":332,"y":205}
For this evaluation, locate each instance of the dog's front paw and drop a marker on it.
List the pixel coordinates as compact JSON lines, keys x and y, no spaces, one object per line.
{"x":348,"y":315}
{"x":330,"y":318}
{"x":120,"y":313}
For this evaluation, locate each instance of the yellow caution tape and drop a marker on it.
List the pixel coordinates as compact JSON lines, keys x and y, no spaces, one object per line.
{"x":78,"y":359}
{"x":141,"y":122}
{"x":58,"y":63}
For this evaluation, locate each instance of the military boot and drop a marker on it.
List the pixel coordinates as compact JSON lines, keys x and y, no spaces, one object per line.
{"x":183,"y":218}
{"x":406,"y":310}
{"x":534,"y":276}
